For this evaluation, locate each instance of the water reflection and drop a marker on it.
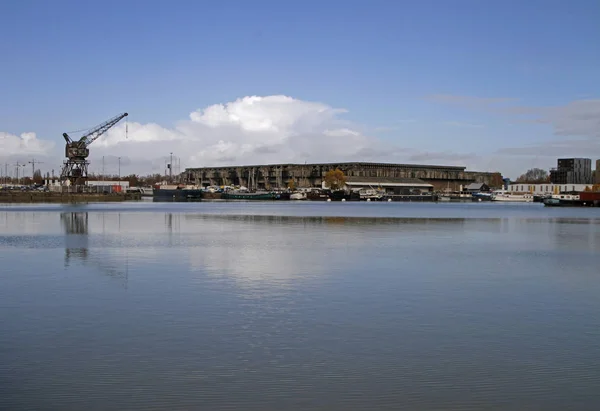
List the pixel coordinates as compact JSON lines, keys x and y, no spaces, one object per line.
{"x":76,"y":235}
{"x":261,"y":312}
{"x":268,"y":254}
{"x":77,"y":238}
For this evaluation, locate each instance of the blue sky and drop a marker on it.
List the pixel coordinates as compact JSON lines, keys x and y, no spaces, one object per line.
{"x":67,"y":65}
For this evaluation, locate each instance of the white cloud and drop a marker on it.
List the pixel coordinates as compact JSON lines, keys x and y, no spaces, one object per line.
{"x":577,"y":118}
{"x":25,"y":144}
{"x":249,"y":130}
{"x":341,"y":132}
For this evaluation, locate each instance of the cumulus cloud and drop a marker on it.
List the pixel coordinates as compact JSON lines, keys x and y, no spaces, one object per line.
{"x":24,"y":144}
{"x":249,"y":130}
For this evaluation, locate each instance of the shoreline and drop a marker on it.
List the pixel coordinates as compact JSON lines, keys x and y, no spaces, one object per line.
{"x":9,"y":197}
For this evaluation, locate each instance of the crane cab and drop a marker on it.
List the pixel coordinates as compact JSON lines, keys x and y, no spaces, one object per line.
{"x":74,"y":150}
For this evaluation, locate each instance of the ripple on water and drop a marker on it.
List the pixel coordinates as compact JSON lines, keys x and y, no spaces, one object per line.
{"x":227,"y":307}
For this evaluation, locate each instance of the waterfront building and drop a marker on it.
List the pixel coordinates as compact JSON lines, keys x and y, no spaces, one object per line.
{"x":572,"y":171}
{"x":311,"y":175}
{"x":398,"y":186}
{"x":547,"y":189}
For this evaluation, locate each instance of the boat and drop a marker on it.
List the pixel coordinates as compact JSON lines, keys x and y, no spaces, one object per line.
{"x":456,"y":196}
{"x":298,"y":196}
{"x":344,"y":195}
{"x":370,"y":194}
{"x":424,"y":197}
{"x":506,"y":196}
{"x":212,"y":193}
{"x":563,"y":200}
{"x":537,"y":198}
{"x":248,"y":195}
{"x":317,"y":195}
{"x":146,"y":191}
{"x":176,"y":192}
{"x":480,"y":196}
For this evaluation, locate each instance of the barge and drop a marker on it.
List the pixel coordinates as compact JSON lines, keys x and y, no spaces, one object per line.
{"x":177,"y":192}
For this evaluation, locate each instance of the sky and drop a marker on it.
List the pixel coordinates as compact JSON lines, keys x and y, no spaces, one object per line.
{"x":498,"y":85}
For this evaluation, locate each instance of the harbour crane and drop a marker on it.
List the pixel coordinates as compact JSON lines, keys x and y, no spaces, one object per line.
{"x":75,"y":167}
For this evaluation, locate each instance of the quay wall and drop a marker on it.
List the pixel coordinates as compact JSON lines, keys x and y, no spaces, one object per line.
{"x":311,"y":175}
{"x":53,"y":197}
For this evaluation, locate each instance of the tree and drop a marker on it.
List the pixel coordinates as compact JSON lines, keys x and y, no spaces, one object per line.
{"x":496,"y":180}
{"x":335,"y":179}
{"x":133,"y":179}
{"x":292,"y":184}
{"x":37,"y":177}
{"x":534,"y":176}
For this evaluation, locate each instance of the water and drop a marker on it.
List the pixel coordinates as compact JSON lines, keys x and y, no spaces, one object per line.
{"x":295,"y":306}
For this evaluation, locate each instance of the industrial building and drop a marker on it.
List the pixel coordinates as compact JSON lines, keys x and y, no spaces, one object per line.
{"x":547,"y":189}
{"x":572,"y":171}
{"x":397,"y":186}
{"x":597,"y":173}
{"x":311,"y":175}
{"x":55,"y":184}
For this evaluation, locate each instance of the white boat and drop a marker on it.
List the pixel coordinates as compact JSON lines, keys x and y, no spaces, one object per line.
{"x":506,"y":196}
{"x":298,"y":196}
{"x":370,"y":194}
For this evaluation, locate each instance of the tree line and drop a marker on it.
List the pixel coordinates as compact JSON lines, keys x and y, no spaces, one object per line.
{"x":534,"y":176}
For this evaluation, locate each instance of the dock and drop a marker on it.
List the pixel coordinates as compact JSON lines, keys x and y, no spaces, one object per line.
{"x":53,"y":197}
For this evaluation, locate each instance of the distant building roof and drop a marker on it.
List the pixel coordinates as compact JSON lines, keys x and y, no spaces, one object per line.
{"x":386,"y":181}
{"x":338,"y":164}
{"x":475,"y":186}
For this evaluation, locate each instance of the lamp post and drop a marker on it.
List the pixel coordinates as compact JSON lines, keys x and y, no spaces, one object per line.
{"x":119,"y":168}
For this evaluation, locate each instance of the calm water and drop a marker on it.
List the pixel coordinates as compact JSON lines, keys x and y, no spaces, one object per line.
{"x":281,"y":306}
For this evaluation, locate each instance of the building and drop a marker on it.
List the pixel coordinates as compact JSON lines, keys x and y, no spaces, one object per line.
{"x":572,"y":171}
{"x":54,"y":184}
{"x":477,"y":188}
{"x":311,"y":175}
{"x":398,"y":186}
{"x":597,"y":173}
{"x":547,"y":189}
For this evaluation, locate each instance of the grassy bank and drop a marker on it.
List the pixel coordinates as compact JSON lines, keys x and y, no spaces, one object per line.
{"x":49,"y":197}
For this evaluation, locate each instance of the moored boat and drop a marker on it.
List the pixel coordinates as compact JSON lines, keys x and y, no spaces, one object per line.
{"x":248,"y":195}
{"x":564,"y":200}
{"x":317,"y":195}
{"x":424,"y":197}
{"x":506,"y":196}
{"x":298,"y":196}
{"x":176,"y":192}
{"x":482,"y":196}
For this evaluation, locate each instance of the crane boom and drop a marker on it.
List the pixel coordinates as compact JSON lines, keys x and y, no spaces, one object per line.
{"x":101,"y":129}
{"x":96,"y":132}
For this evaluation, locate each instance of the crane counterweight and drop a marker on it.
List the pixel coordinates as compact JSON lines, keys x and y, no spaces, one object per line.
{"x":76,"y":165}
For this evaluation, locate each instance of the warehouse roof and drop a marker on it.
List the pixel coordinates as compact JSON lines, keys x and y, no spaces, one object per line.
{"x":386,"y":181}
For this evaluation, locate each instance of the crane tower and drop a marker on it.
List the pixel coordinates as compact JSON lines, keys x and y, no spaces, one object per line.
{"x":75,"y":167}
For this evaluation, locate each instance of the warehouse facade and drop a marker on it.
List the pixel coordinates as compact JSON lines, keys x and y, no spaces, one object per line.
{"x":274,"y":176}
